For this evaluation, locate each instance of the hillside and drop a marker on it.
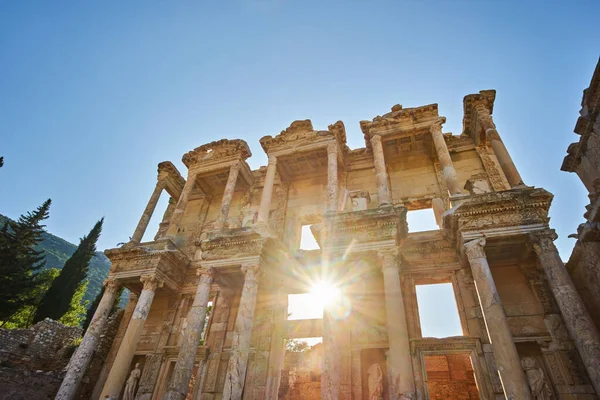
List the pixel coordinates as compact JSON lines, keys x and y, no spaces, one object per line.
{"x":58,"y":250}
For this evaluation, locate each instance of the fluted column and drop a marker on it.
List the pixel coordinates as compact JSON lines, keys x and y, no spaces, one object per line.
{"x":383,"y":189}
{"x":120,"y":368}
{"x":236,"y":368}
{"x":234,"y":171}
{"x":401,"y":373}
{"x":267,"y":193}
{"x":505,"y":352}
{"x":577,"y":319}
{"x":178,"y":387}
{"x":181,"y":204}
{"x":441,"y":149}
{"x":148,"y":211}
{"x":506,"y":163}
{"x":83,"y":355}
{"x":332,"y":177}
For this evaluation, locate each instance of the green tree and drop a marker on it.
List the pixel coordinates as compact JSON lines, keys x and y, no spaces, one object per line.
{"x":296,"y":346}
{"x":20,"y":263}
{"x":77,"y":309}
{"x":24,"y":317}
{"x":57,"y":300}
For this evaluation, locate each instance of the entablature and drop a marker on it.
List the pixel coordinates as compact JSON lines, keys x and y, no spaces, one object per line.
{"x":174,"y":182}
{"x":471,"y":123}
{"x":302,"y":151}
{"x":210,"y":164}
{"x":402,"y":123}
{"x":160,"y":258}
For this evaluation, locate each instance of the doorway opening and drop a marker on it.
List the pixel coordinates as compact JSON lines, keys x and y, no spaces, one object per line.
{"x":450,"y":376}
{"x":302,"y":367}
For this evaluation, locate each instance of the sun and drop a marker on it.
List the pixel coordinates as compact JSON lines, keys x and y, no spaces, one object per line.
{"x":324,"y":293}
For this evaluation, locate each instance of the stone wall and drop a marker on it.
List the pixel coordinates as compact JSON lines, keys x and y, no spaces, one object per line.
{"x":35,"y":356}
{"x":46,"y":346}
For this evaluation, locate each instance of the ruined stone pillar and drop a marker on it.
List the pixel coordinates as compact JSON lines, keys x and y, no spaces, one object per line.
{"x":120,"y":368}
{"x":332,"y":177}
{"x":179,"y":385}
{"x":267,"y":194}
{"x":234,"y":171}
{"x":506,"y":163}
{"x":145,"y":219}
{"x":505,"y":352}
{"x":402,"y":381}
{"x":441,"y":149}
{"x":236,"y":368}
{"x":181,"y":203}
{"x":83,"y":355}
{"x":383,"y":189}
{"x":577,"y":319}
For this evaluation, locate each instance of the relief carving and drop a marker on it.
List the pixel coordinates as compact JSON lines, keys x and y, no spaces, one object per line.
{"x":540,"y":389}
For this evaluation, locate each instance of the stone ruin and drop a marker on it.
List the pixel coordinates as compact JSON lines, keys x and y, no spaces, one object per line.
{"x":230,"y":237}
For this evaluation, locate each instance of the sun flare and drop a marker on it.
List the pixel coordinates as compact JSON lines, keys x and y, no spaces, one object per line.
{"x":324,"y":293}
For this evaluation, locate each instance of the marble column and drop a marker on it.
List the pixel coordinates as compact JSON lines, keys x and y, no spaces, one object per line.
{"x":236,"y":368}
{"x":332,"y":177}
{"x":234,"y":171}
{"x":383,"y":189}
{"x":277,"y":350}
{"x":437,"y":205}
{"x":181,"y":204}
{"x":267,"y":194}
{"x":506,"y":163}
{"x":505,"y":352}
{"x":182,"y":373}
{"x":148,"y":211}
{"x":120,"y":368}
{"x":83,"y":355}
{"x":577,"y":319}
{"x":448,"y":171}
{"x":402,"y":381}
{"x":330,"y":376}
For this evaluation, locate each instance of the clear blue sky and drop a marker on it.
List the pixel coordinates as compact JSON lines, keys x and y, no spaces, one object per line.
{"x":94,"y":94}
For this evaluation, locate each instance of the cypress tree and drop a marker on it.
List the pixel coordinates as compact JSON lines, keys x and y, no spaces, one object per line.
{"x":20,"y":262}
{"x":57,"y":300}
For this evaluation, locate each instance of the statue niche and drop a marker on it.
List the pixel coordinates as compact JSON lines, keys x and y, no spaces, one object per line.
{"x":540,"y":389}
{"x":375,"y":381}
{"x":131,"y":386}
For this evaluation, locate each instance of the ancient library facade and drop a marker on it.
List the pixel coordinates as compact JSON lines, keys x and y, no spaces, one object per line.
{"x":209,"y":315}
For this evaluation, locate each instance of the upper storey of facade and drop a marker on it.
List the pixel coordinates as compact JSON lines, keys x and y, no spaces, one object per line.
{"x":408,"y":163}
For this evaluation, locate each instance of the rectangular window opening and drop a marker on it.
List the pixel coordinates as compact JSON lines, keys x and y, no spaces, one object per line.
{"x":421,"y":220}
{"x":307,"y":239}
{"x":438,"y":312}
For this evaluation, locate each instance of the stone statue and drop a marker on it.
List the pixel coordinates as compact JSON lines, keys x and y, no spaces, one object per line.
{"x":540,"y":390}
{"x":131,"y":386}
{"x":375,"y":380}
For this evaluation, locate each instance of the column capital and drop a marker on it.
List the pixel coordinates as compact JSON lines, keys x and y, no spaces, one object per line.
{"x":236,"y":164}
{"x":272,"y":160}
{"x":436,"y":127}
{"x":206,"y":275}
{"x":151,"y":282}
{"x":375,"y":138}
{"x":388,"y":258}
{"x":475,"y":249}
{"x":543,"y":241}
{"x":252,"y":270}
{"x":111,"y":285}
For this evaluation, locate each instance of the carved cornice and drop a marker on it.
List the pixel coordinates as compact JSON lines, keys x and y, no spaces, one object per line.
{"x":511,"y":211}
{"x":302,"y":134}
{"x":215,"y":151}
{"x":400,"y":120}
{"x":362,"y":227}
{"x":167,"y":167}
